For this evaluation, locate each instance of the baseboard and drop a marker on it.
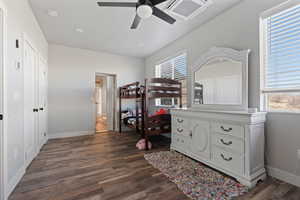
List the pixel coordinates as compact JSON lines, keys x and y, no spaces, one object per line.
{"x":284,"y":176}
{"x":14,"y":182}
{"x":17,"y":178}
{"x":70,"y":134}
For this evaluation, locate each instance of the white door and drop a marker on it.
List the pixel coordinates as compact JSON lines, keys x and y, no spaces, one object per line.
{"x":1,"y":107}
{"x":42,"y":102}
{"x":30,"y":63}
{"x":200,"y":138}
{"x":110,"y":102}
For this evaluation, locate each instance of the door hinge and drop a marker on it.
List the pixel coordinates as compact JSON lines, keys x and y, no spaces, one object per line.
{"x":1,"y":117}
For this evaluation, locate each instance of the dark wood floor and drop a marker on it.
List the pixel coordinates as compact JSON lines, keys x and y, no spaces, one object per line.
{"x":107,"y":166}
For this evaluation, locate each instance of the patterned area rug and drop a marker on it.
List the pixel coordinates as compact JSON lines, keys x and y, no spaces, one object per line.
{"x":195,"y":179}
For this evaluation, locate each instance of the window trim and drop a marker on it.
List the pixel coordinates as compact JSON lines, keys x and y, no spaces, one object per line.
{"x":161,"y":61}
{"x":263,"y":91}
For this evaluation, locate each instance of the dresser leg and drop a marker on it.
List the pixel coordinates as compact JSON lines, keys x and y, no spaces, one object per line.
{"x":252,"y":183}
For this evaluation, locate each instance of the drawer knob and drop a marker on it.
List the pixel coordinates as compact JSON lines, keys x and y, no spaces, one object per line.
{"x":179,"y":130}
{"x":226,"y":143}
{"x":191,"y":134}
{"x":180,"y":120}
{"x":226,"y":130}
{"x":226,"y":159}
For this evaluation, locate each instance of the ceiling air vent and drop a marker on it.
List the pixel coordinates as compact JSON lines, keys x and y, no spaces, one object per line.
{"x":188,"y":9}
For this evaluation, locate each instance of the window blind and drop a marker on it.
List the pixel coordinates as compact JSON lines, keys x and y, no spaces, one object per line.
{"x":283,"y":50}
{"x":166,"y":70}
{"x":180,"y":67}
{"x":175,"y":68}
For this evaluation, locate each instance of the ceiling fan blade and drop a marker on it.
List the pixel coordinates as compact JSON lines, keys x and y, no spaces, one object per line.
{"x":117,"y":4}
{"x":136,"y":22}
{"x":155,"y":2}
{"x":162,"y":15}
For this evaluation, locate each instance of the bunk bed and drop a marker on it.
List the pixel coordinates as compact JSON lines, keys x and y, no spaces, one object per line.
{"x":159,"y":88}
{"x":131,"y":91}
{"x":144,"y":123}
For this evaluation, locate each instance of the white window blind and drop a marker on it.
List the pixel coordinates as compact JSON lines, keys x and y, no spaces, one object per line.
{"x":174,"y":68}
{"x":166,"y":70}
{"x":180,"y":67}
{"x":283,"y":50}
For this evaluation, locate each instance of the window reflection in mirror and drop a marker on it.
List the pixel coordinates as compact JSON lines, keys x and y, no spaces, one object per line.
{"x":219,"y":82}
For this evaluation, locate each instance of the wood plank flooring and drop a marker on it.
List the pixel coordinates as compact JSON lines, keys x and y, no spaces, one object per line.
{"x":101,"y":124}
{"x":107,"y":166}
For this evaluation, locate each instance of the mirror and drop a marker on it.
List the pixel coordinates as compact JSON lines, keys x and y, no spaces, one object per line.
{"x":219,"y":82}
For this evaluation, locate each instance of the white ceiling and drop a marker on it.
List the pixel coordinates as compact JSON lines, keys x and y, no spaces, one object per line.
{"x":108,"y":29}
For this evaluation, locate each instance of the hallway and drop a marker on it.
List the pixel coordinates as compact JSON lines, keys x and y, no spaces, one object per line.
{"x":101,"y":124}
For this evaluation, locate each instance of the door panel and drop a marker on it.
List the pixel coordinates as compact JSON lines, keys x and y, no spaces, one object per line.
{"x":110,"y":102}
{"x":42,"y":101}
{"x":1,"y":106}
{"x":29,"y":102}
{"x":200,"y":143}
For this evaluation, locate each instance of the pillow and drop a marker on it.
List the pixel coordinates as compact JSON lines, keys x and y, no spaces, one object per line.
{"x":161,"y":112}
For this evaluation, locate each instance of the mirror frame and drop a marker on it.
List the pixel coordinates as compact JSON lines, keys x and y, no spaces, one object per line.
{"x":225,"y":53}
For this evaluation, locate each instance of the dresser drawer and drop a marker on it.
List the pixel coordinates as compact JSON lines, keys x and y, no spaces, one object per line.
{"x":180,"y":130}
{"x":229,"y":142}
{"x":180,"y":121}
{"x":229,"y":129}
{"x":229,"y":161}
{"x":180,"y":141}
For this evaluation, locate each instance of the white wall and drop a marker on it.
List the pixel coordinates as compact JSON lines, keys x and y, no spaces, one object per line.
{"x":20,"y":19}
{"x":71,"y":82}
{"x":238,"y":28}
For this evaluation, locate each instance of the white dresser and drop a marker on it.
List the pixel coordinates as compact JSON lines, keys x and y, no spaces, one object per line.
{"x":231,"y":142}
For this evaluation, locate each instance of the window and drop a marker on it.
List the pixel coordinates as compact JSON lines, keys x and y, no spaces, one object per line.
{"x":174,"y":68}
{"x":281,"y":59}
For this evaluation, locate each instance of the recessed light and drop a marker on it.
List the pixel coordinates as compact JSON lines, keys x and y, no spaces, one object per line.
{"x":79,"y":30}
{"x":52,"y":13}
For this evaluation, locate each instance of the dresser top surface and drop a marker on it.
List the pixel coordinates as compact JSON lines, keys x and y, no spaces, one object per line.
{"x":248,"y":113}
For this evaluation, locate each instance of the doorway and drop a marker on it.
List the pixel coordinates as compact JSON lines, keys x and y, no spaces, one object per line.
{"x":105,"y":96}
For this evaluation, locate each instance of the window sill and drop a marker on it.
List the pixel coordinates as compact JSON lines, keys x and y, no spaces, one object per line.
{"x":283,"y":112}
{"x":162,"y":106}
{"x":168,"y":107}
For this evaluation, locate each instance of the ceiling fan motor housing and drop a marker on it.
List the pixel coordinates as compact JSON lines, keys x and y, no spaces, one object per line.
{"x":144,"y":11}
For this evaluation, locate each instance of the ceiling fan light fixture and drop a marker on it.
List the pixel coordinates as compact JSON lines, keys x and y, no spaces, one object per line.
{"x":144,"y":11}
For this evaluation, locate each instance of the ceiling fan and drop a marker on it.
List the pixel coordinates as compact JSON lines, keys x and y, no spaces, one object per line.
{"x":144,"y":10}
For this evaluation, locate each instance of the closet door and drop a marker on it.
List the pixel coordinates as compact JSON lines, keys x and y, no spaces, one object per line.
{"x":30,"y":139}
{"x":1,"y":106}
{"x":42,"y":102}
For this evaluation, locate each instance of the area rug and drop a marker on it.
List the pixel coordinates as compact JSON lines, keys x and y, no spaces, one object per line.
{"x":196,"y":180}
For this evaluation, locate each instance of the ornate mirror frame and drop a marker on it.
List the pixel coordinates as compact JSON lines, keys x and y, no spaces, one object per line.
{"x":225,"y":53}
